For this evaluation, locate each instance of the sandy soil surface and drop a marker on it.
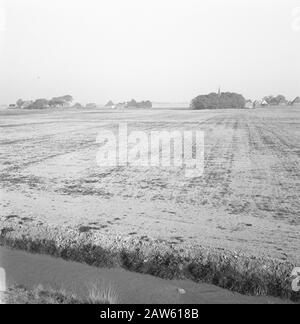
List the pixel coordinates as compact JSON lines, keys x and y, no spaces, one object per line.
{"x":248,"y":199}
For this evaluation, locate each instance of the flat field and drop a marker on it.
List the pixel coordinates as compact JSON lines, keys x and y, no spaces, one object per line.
{"x":248,"y":199}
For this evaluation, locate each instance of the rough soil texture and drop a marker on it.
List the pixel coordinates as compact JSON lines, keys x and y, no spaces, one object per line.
{"x":247,"y":201}
{"x":23,"y":296}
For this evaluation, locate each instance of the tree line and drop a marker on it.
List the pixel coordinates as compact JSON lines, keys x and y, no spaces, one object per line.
{"x":235,"y":100}
{"x":63,"y":101}
{"x":218,"y":101}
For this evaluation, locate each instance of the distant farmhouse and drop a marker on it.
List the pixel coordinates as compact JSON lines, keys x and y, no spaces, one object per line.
{"x":257,"y":103}
{"x":296,"y":101}
{"x":21,"y":104}
{"x":279,"y":100}
{"x":37,"y":104}
{"x":249,"y":104}
{"x":274,"y":101}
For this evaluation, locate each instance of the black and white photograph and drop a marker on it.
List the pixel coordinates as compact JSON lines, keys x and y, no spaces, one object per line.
{"x":149,"y":155}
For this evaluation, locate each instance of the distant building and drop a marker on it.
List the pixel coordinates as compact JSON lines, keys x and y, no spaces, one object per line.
{"x":13,"y":106}
{"x":257,"y":103}
{"x":249,"y":104}
{"x":296,"y":101}
{"x":264,"y":103}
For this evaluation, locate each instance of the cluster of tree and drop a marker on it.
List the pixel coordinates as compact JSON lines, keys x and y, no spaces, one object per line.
{"x":275,"y":101}
{"x":143,"y":104}
{"x":218,"y":101}
{"x":78,"y":105}
{"x":39,"y":104}
{"x":63,"y":101}
{"x":130,"y":104}
{"x":109,"y":104}
{"x":20,"y":103}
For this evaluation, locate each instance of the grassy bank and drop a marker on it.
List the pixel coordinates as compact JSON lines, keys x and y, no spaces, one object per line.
{"x":41,"y":295}
{"x":230,"y":270}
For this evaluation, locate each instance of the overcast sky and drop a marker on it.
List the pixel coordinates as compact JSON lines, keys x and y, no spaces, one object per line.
{"x":162,"y":50}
